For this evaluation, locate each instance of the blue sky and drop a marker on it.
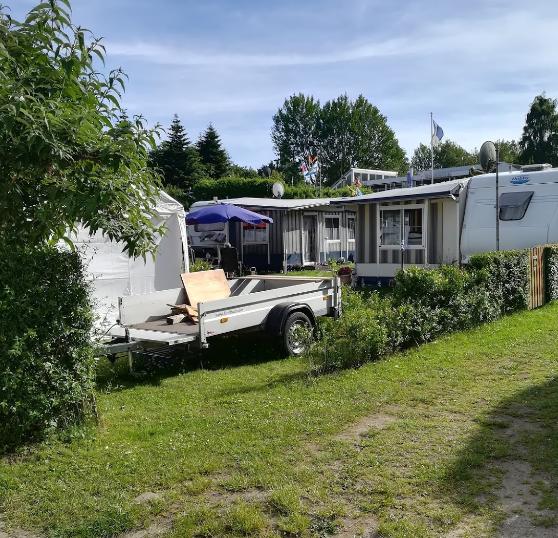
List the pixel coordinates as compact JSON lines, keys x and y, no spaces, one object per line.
{"x":475,"y":64}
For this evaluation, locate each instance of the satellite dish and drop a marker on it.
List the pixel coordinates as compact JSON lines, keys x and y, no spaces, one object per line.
{"x":278,"y":189}
{"x":487,"y":156}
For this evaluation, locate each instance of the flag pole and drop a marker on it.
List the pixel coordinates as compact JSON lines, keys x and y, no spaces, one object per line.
{"x":431,"y":149}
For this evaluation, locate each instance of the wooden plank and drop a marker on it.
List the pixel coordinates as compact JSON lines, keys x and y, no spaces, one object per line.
{"x":204,"y":286}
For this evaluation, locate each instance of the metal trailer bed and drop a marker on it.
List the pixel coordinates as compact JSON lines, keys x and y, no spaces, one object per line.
{"x":256,"y":302}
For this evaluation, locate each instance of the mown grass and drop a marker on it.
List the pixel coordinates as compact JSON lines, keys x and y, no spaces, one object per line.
{"x":249,"y":444}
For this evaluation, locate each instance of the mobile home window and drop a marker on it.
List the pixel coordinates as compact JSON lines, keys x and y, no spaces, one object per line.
{"x":513,"y":205}
{"x":332,"y":228}
{"x":255,"y":233}
{"x":401,"y":224}
{"x":351,"y":228}
{"x":413,"y":226}
{"x":391,"y":227}
{"x":215,"y":227}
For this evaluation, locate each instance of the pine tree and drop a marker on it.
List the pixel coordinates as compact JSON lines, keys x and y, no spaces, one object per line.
{"x":212,"y":154}
{"x":177,"y":159}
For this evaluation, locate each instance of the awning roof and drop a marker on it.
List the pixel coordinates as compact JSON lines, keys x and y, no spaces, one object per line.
{"x":437,"y":190}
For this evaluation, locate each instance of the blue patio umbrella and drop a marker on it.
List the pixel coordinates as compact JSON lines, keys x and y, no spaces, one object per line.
{"x":224,"y":213}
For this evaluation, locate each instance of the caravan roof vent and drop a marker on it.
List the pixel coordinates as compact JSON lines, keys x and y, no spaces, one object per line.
{"x":535,"y":167}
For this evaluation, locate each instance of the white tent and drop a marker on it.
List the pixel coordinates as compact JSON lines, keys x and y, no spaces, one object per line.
{"x":114,"y":274}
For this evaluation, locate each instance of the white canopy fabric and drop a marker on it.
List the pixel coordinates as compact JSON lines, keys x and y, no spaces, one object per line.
{"x":114,"y":274}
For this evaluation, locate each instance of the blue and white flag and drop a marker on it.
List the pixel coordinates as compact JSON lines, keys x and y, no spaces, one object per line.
{"x":437,"y":133}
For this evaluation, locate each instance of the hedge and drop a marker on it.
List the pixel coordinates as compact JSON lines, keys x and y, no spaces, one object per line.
{"x":236,"y":187}
{"x":551,"y":272}
{"x":46,"y":358}
{"x":426,"y":303}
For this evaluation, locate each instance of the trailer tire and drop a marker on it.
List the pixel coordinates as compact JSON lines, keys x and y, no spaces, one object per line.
{"x":297,"y":333}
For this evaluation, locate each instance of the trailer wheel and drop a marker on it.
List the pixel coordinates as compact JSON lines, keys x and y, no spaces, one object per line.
{"x":297,"y":333}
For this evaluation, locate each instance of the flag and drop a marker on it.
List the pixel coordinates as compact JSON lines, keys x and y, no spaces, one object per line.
{"x":437,"y":133}
{"x":310,"y":171}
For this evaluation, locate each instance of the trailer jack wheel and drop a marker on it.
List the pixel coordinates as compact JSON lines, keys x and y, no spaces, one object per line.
{"x":297,"y":334}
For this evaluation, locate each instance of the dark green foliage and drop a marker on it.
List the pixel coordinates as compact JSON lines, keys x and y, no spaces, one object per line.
{"x":505,"y":275}
{"x":424,"y":304}
{"x":237,"y":187}
{"x":344,"y":133}
{"x":67,"y":153}
{"x":213,"y":156}
{"x":539,"y":143}
{"x":551,"y":272}
{"x":355,"y":134}
{"x":232,"y":187}
{"x":446,"y":155}
{"x":177,"y":160}
{"x":235,"y":170}
{"x":46,"y":359}
{"x":295,"y":133}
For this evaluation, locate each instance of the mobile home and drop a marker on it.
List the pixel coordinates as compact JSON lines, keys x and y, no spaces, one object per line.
{"x":305,"y":232}
{"x":447,"y":222}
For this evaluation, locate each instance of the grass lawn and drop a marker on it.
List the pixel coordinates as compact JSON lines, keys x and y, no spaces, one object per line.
{"x":426,"y":443}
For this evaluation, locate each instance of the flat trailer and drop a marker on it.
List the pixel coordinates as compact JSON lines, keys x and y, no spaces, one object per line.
{"x":279,"y":305}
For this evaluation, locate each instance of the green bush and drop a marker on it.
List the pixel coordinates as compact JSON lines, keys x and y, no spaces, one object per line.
{"x":357,"y":337}
{"x":423,"y":304}
{"x":199,"y":264}
{"x":46,"y":359}
{"x":505,"y":275}
{"x":551,"y":272}
{"x":238,"y":187}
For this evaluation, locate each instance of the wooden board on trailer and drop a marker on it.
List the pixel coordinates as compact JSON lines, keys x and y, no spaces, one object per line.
{"x":204,"y":286}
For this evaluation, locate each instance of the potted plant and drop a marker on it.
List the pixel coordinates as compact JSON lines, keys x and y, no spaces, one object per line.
{"x":344,"y":273}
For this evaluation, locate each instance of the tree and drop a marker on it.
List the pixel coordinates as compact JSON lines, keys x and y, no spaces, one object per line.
{"x":295,"y":133}
{"x":235,"y":170}
{"x":509,"y":151}
{"x":213,"y":156}
{"x":343,"y":133}
{"x":539,"y":143}
{"x":446,"y":155}
{"x":356,"y":134}
{"x":65,"y":155}
{"x":178,"y":161}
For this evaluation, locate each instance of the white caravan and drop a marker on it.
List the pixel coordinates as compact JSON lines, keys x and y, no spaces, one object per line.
{"x":447,"y":222}
{"x":528,"y":210}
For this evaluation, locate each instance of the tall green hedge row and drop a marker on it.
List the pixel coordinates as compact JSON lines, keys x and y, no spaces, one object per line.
{"x":425,"y":303}
{"x":551,"y":272}
{"x":46,"y":358}
{"x":236,"y":187}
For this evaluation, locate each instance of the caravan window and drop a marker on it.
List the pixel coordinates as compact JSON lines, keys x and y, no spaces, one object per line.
{"x":391,"y":227}
{"x":255,"y":233}
{"x":351,"y":228}
{"x":402,"y":224}
{"x":332,"y":228}
{"x":513,"y":205}
{"x":215,"y":227}
{"x":413,"y":226}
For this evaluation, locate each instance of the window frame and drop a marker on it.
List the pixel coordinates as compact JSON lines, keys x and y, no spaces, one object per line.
{"x":524,"y":205}
{"x":401,"y":208}
{"x":353,"y":218}
{"x":332,"y":216}
{"x":245,"y":226}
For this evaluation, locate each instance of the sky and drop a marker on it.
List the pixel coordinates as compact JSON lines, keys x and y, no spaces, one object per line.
{"x":475,"y":64}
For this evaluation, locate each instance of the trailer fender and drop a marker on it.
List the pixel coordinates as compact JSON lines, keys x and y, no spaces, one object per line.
{"x":275,"y":321}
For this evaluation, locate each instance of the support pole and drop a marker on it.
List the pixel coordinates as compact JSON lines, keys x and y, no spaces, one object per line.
{"x":431,"y":149}
{"x":497,"y":198}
